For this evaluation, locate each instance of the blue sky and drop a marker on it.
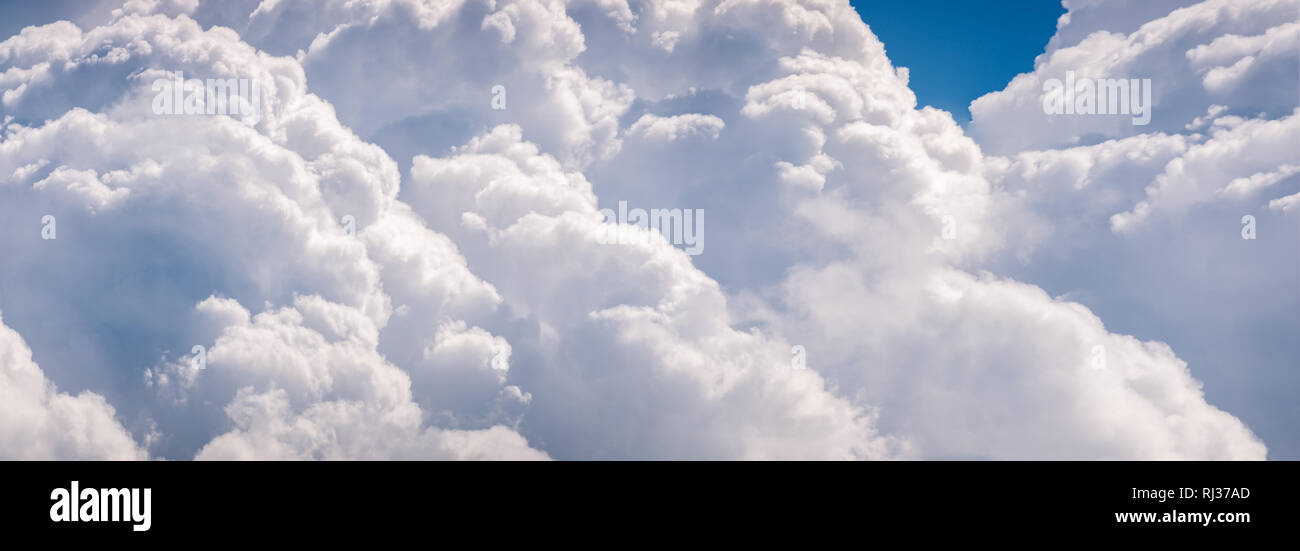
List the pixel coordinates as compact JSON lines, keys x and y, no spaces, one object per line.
{"x":948,"y":49}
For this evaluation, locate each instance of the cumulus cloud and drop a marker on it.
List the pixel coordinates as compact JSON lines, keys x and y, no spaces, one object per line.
{"x":639,"y":357}
{"x":1240,"y":160}
{"x":1214,"y":52}
{"x":39,"y":422}
{"x":310,"y":385}
{"x":676,"y":127}
{"x":404,"y":257}
{"x":178,"y":208}
{"x":964,"y":358}
{"x":1145,"y":223}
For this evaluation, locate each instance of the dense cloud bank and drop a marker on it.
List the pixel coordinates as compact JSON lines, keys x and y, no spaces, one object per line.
{"x":404,"y":255}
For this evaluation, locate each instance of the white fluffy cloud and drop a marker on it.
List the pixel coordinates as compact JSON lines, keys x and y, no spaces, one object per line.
{"x":179,"y":208}
{"x":963,"y":359}
{"x":639,"y":358}
{"x":1146,"y":223}
{"x":475,"y":312}
{"x":1228,"y":52}
{"x":312,"y":386}
{"x":39,"y":422}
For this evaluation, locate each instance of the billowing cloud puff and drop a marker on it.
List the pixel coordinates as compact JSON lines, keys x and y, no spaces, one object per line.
{"x":311,"y":386}
{"x":676,"y":127}
{"x":1225,"y":52}
{"x":181,"y":207}
{"x":528,"y":45}
{"x":1241,"y":159}
{"x":639,"y":359}
{"x":962,"y":359}
{"x":1181,"y":227}
{"x":39,"y":422}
